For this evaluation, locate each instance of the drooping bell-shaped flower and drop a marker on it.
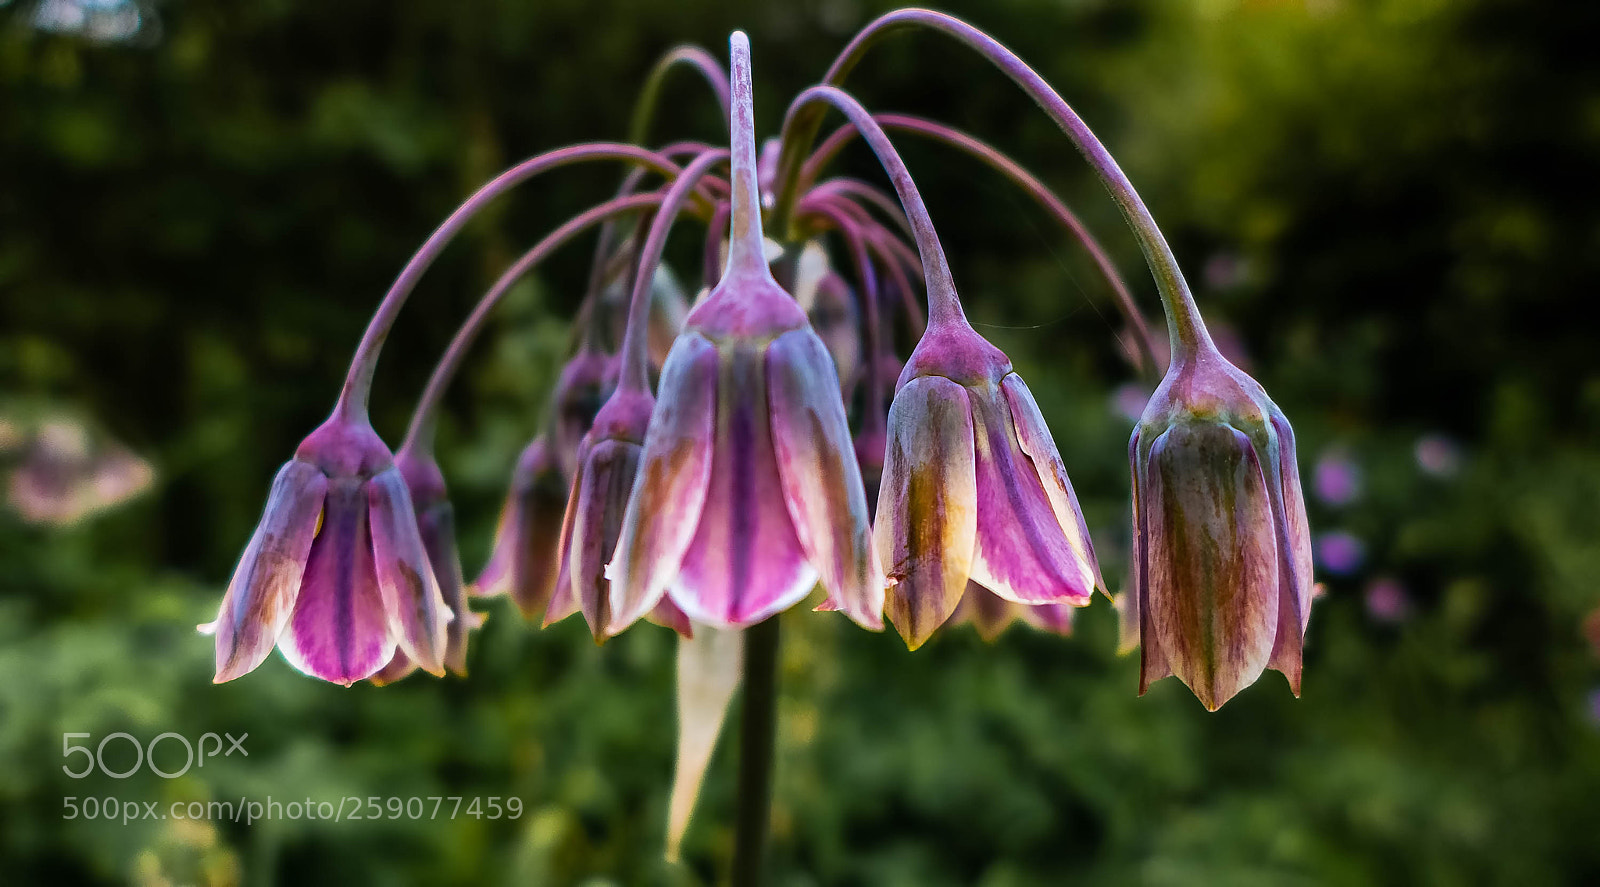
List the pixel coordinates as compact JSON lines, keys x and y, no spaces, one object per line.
{"x":336,"y":575}
{"x":1221,"y":549}
{"x":748,"y":490}
{"x":609,"y":455}
{"x":974,"y":488}
{"x":526,"y":556}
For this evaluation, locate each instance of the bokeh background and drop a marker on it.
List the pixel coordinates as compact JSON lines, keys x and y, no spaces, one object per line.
{"x":1388,"y":204}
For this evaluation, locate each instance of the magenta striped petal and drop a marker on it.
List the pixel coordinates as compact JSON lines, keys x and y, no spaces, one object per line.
{"x":599,"y":499}
{"x":1033,"y":436}
{"x":1022,"y":553}
{"x":340,"y":630}
{"x":417,"y":611}
{"x":745,"y":562}
{"x":1212,"y":559}
{"x":821,"y":480}
{"x":927,"y":508}
{"x":262,"y":593}
{"x":669,"y":493}
{"x":400,"y":667}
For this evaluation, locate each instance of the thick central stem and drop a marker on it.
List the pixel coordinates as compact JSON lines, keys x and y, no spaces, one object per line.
{"x":758,"y":733}
{"x":746,"y":247}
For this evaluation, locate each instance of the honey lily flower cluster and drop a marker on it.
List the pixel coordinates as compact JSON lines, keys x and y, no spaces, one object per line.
{"x":713,"y":483}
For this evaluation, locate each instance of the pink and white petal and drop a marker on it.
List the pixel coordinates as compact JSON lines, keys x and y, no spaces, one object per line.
{"x":1033,"y":436}
{"x":340,"y":629}
{"x":667,"y":615}
{"x":1021,"y":554}
{"x":261,"y":595}
{"x":745,"y":562}
{"x":1212,"y":565}
{"x":664,"y":507}
{"x":437,"y":525}
{"x":418,"y":614}
{"x":600,"y":498}
{"x":495,"y":577}
{"x":821,"y":479}
{"x":927,"y":510}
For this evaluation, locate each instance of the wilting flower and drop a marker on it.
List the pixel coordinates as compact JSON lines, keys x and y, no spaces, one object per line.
{"x":992,"y":614}
{"x":973,"y":488}
{"x":336,"y":575}
{"x":526,"y":555}
{"x":1222,"y":552}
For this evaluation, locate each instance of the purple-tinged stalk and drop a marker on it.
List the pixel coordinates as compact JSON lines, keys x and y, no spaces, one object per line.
{"x":1146,"y":360}
{"x":352,"y":404}
{"x":1221,"y":555}
{"x":748,"y":489}
{"x":608,"y":457}
{"x":867,"y":278}
{"x":425,"y":482}
{"x":704,"y":63}
{"x":973,"y":486}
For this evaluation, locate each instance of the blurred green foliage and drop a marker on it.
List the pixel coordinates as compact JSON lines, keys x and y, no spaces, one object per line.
{"x":1383,"y":198}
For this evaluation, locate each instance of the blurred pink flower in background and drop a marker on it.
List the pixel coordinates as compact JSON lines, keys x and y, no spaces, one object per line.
{"x":1387,"y":600}
{"x":1336,"y":478}
{"x":64,"y":471}
{"x":1340,"y":553}
{"x":1438,"y":455}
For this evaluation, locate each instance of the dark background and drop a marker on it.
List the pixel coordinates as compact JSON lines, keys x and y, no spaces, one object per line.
{"x":1389,"y":202}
